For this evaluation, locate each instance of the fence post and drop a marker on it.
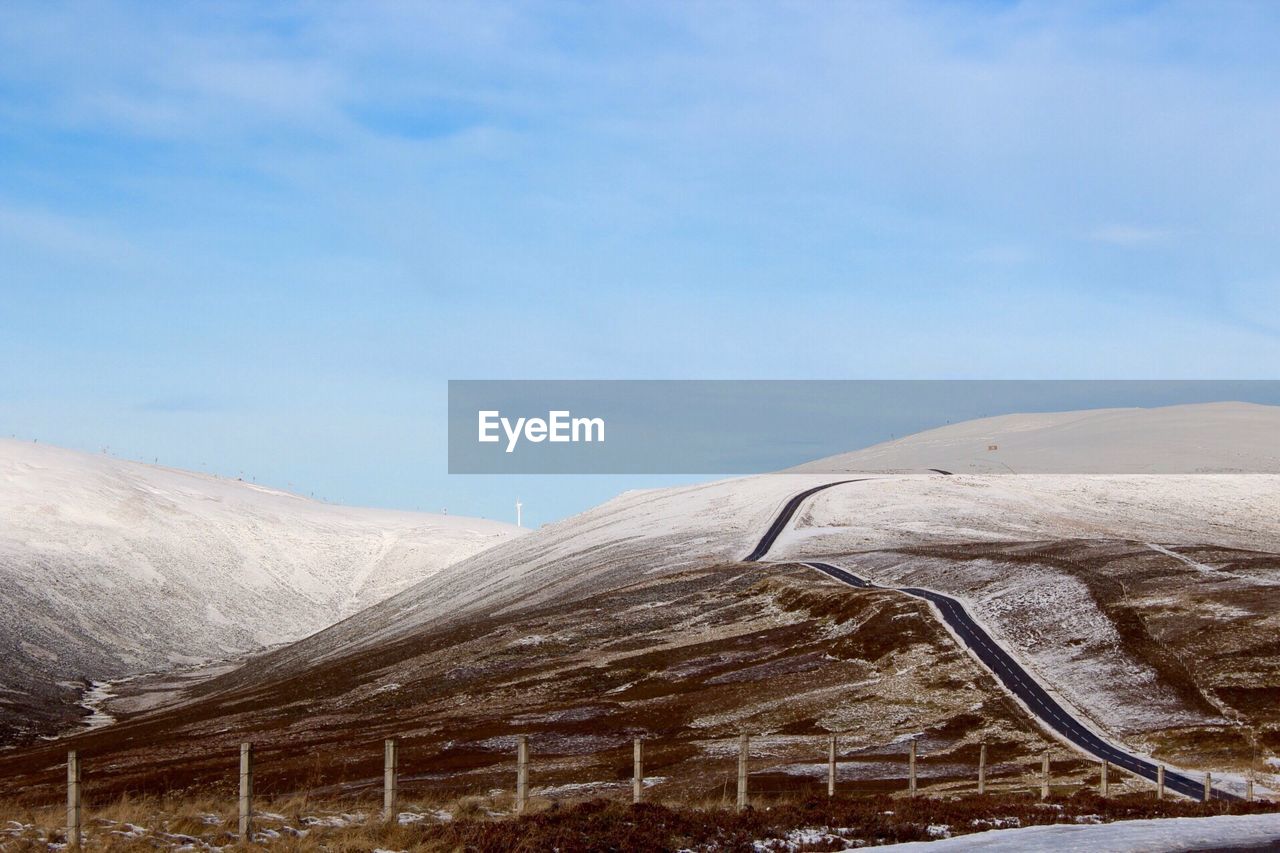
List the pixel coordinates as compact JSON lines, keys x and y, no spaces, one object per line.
{"x":831,"y":765}
{"x":246,"y":791}
{"x":1208,"y":786}
{"x":637,"y":776}
{"x":73,"y":800}
{"x":744,"y":747}
{"x":1248,"y":788}
{"x":1160,"y":782}
{"x":1102,"y":785}
{"x":522,"y":773}
{"x":911,"y":768}
{"x":982,"y":769}
{"x":1044,"y":776}
{"x":390,"y":776}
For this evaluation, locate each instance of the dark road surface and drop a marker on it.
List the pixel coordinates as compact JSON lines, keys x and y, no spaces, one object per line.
{"x":1000,"y":663}
{"x":784,"y":518}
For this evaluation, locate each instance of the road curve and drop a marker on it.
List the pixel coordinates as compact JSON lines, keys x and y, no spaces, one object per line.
{"x":784,"y":518}
{"x":1001,"y":664}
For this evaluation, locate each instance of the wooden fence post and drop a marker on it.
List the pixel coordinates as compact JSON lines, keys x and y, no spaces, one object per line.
{"x":1044,"y":776}
{"x":246,"y":791}
{"x":1208,"y":786}
{"x":911,"y":768}
{"x":1160,"y":782}
{"x":522,"y":773}
{"x":1248,"y":788}
{"x":390,"y":777}
{"x":831,"y":765}
{"x":73,"y":801}
{"x":744,"y":749}
{"x":637,"y":776}
{"x":982,"y":769}
{"x":1102,"y":785}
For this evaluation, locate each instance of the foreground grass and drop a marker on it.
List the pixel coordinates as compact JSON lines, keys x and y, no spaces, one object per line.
{"x":476,"y":824}
{"x":816,"y":824}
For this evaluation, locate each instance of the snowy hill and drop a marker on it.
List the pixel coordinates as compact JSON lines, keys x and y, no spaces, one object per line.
{"x":1207,"y":438}
{"x":1102,"y":585}
{"x":666,"y":529}
{"x":877,"y":521}
{"x":658,"y":532}
{"x":113,"y":567}
{"x":637,"y":533}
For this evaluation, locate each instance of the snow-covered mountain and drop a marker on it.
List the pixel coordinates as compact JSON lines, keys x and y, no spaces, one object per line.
{"x":1206,"y":438}
{"x":665,"y":529}
{"x":112,"y":567}
{"x":1079,"y":573}
{"x":876,"y":522}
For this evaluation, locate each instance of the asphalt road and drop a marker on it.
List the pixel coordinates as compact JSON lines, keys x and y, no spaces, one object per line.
{"x":1001,"y":664}
{"x":784,"y":518}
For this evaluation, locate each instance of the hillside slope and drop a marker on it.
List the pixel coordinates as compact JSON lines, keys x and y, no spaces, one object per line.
{"x":656,"y":532}
{"x":1205,"y":438}
{"x":112,"y":568}
{"x":1102,"y":585}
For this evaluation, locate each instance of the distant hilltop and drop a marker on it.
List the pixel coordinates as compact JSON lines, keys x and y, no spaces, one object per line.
{"x":1205,"y":438}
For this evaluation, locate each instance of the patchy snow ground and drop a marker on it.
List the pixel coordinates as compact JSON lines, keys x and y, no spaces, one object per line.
{"x":643,"y":534}
{"x":661,"y":531}
{"x":1234,"y":510}
{"x":1051,"y":623}
{"x":901,"y":531}
{"x":1130,"y":836}
{"x":808,"y":838}
{"x":92,"y":701}
{"x":612,"y":545}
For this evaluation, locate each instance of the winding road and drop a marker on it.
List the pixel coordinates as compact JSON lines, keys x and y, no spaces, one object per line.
{"x":1000,"y":663}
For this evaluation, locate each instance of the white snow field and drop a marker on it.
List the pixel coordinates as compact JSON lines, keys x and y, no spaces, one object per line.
{"x":887,"y":511}
{"x":112,"y":567}
{"x":1164,"y":835}
{"x":1204,"y":438}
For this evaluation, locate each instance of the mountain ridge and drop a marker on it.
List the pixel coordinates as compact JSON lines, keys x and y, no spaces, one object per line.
{"x":1198,"y":438}
{"x":117,"y":567}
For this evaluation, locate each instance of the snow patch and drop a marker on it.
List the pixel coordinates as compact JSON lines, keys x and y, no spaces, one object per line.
{"x":1130,"y":836}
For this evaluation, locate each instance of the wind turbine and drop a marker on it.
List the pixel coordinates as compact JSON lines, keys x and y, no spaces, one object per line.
{"x":518,"y":506}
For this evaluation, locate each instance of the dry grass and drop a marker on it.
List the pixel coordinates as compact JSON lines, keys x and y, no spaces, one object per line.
{"x":482,"y":824}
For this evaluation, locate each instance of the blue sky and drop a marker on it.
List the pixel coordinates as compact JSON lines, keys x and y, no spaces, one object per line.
{"x":259,"y":238}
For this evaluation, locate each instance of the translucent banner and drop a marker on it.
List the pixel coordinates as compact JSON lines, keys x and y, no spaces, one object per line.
{"x":749,"y":426}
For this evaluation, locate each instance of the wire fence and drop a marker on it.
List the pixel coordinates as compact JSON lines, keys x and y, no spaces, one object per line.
{"x":731,"y":774}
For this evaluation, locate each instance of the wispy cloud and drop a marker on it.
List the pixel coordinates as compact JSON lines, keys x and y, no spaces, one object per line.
{"x":356,"y":195}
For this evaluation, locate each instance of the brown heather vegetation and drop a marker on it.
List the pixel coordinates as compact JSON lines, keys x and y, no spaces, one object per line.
{"x":686,"y":660}
{"x":1212,"y":641}
{"x":593,"y":825}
